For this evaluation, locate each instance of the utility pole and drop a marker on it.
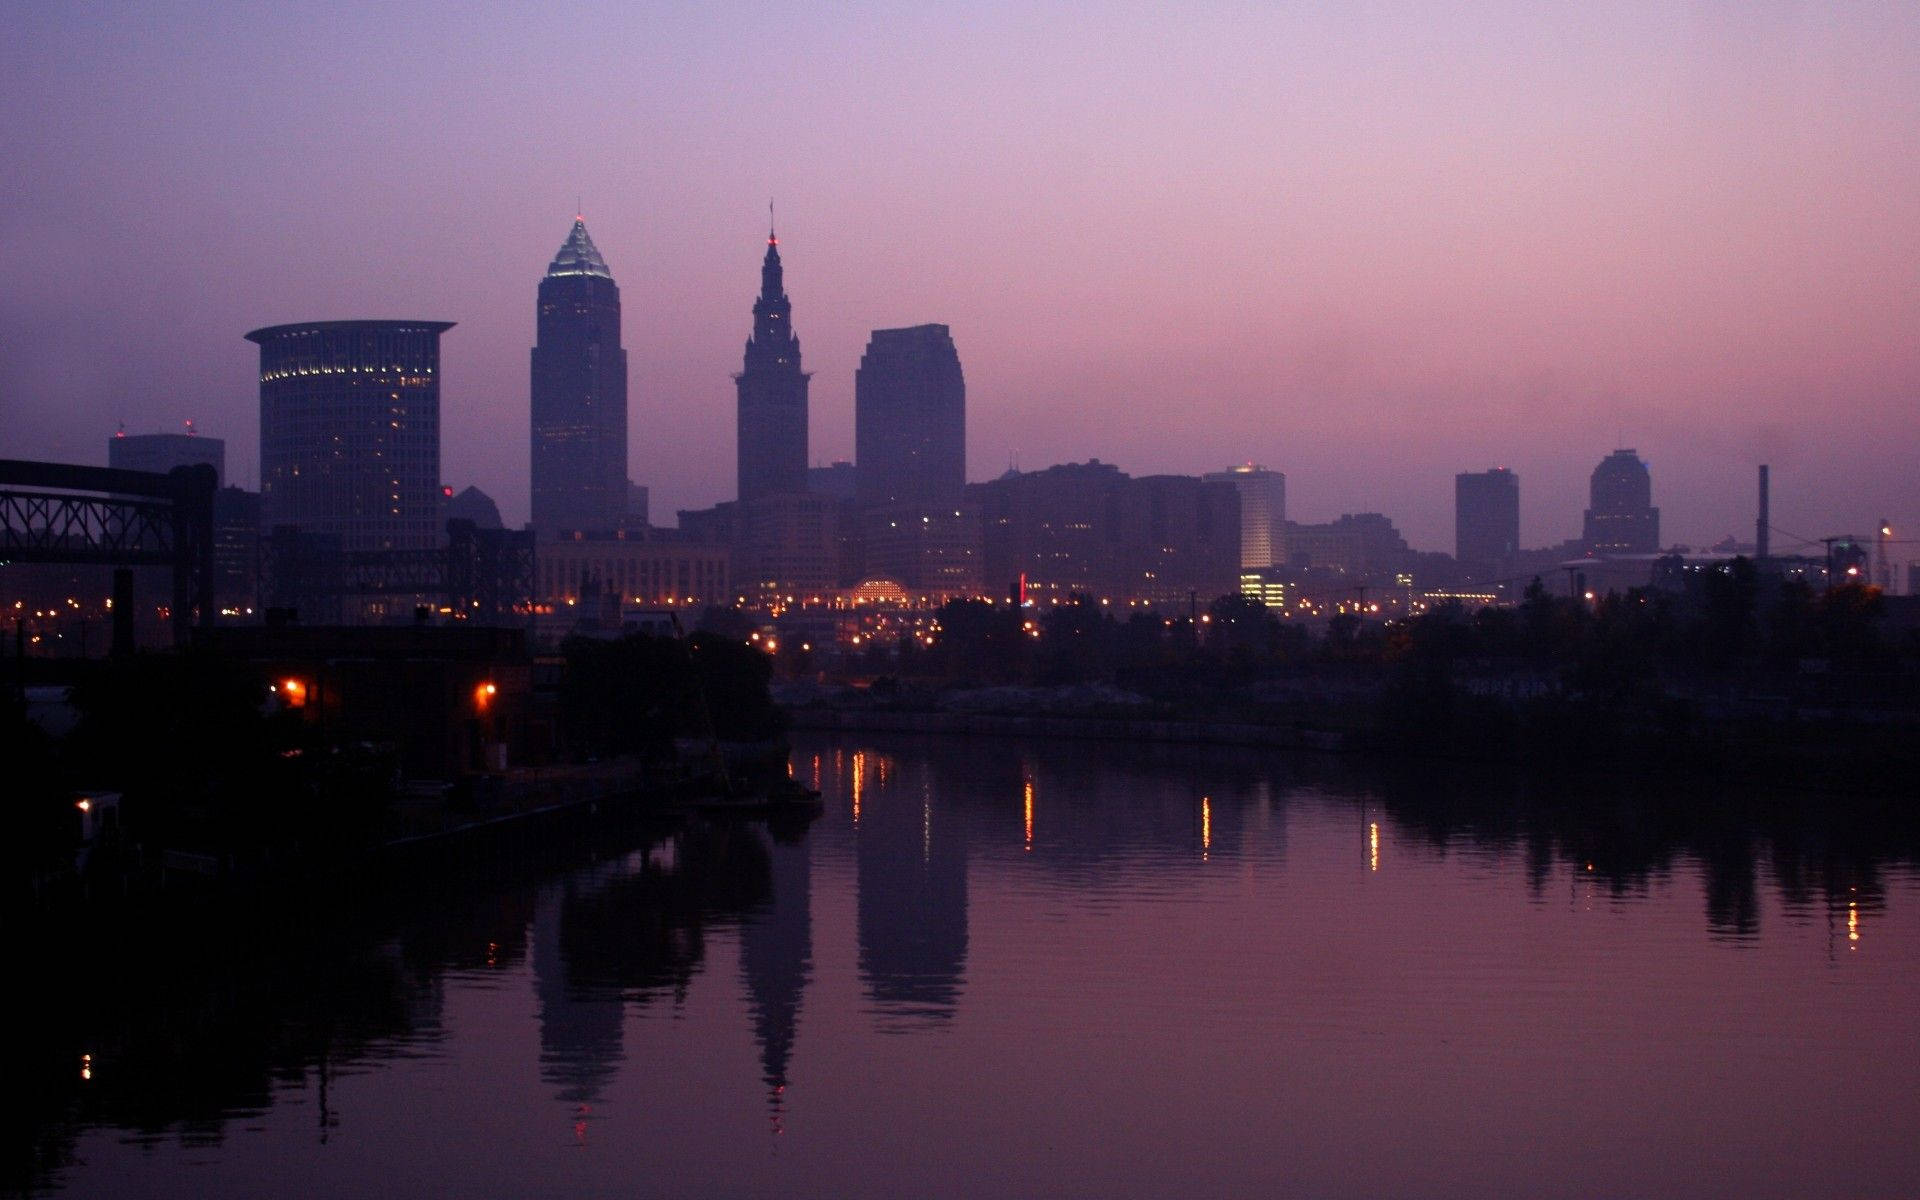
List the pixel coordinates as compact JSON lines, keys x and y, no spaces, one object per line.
{"x":1828,"y":543}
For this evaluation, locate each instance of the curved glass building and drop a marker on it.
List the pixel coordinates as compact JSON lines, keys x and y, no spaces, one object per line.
{"x":350,"y":431}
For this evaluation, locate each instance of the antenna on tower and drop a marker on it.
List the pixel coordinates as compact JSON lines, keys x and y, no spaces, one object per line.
{"x":772,"y":236}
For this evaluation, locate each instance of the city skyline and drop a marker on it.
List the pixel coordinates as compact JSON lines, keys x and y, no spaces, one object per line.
{"x":1462,"y":240}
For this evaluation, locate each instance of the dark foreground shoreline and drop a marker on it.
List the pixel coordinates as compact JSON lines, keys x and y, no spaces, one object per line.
{"x":1818,"y":757}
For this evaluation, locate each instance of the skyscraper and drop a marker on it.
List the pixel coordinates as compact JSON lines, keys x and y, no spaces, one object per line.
{"x":579,"y":395}
{"x":1486,"y":518}
{"x":910,"y":418}
{"x":350,"y":431}
{"x":1263,"y":514}
{"x":772,"y":418}
{"x":162,"y":452}
{"x":1621,"y":518}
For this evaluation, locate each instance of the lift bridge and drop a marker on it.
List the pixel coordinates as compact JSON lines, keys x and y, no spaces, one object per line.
{"x":104,"y":516}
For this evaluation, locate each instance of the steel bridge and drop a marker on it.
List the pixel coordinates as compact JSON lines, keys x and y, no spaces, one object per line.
{"x":62,"y":513}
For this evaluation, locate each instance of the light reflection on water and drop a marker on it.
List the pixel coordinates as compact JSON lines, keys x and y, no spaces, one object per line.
{"x":997,"y":968}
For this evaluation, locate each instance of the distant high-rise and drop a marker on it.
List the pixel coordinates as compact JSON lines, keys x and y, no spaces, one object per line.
{"x":1263,"y":514}
{"x":836,"y":480}
{"x":162,"y":452}
{"x":236,"y":551}
{"x":1621,"y":518}
{"x":350,"y":431}
{"x":772,"y":416}
{"x":579,"y":395}
{"x":476,"y":506}
{"x":910,"y":418}
{"x":1159,"y":540}
{"x":1486,"y":518}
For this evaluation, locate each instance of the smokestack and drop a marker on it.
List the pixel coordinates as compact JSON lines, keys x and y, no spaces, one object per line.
{"x":1760,"y":526}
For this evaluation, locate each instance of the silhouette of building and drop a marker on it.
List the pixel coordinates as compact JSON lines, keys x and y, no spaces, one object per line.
{"x":579,"y":395}
{"x":1263,"y":514}
{"x":772,"y":420}
{"x":1057,"y":528}
{"x":782,"y":546}
{"x":1159,"y":540}
{"x":631,"y":569}
{"x":931,"y":551}
{"x":236,"y":552}
{"x":1486,"y":519}
{"x":910,"y":419}
{"x":1180,"y":541}
{"x":474,"y":505}
{"x":839,"y":480}
{"x":1363,"y":545}
{"x":162,"y":452}
{"x":1621,"y":518}
{"x":786,"y":548}
{"x":350,"y":431}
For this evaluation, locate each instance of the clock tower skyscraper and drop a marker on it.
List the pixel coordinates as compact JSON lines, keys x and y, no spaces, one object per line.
{"x":772,"y":417}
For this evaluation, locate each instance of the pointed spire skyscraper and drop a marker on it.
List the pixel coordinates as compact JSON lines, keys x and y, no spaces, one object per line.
{"x":773,"y":393}
{"x":579,"y":395}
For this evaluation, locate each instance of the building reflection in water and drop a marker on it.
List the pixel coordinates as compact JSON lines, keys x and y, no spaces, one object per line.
{"x":627,"y":933}
{"x":1728,"y":863}
{"x":776,"y":962}
{"x":580,"y":1027}
{"x":912,"y":904}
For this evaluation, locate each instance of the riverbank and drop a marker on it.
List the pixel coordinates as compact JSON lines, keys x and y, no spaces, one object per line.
{"x":482,"y":825}
{"x":1824,"y":755}
{"x":1075,"y":728}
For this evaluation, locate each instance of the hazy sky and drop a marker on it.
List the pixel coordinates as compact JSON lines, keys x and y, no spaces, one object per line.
{"x":1370,"y":245}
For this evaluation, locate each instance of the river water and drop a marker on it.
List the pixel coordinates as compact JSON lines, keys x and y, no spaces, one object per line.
{"x":999,"y":968}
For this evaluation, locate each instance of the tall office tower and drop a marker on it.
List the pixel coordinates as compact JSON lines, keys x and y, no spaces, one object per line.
{"x":350,"y":431}
{"x":1486,"y":518}
{"x":1263,"y":514}
{"x":236,"y":551}
{"x":162,"y":452}
{"x":579,"y":395}
{"x":910,"y":418}
{"x":772,"y":417}
{"x":1621,"y":518}
{"x":1087,"y":527}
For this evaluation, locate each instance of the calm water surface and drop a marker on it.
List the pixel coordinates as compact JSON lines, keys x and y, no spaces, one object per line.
{"x":995,"y":968}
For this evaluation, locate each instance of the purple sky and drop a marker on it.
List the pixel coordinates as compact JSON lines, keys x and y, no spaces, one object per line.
{"x":1367,"y":245}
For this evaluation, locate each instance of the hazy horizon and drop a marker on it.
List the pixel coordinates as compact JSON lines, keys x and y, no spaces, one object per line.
{"x":1370,"y":249}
